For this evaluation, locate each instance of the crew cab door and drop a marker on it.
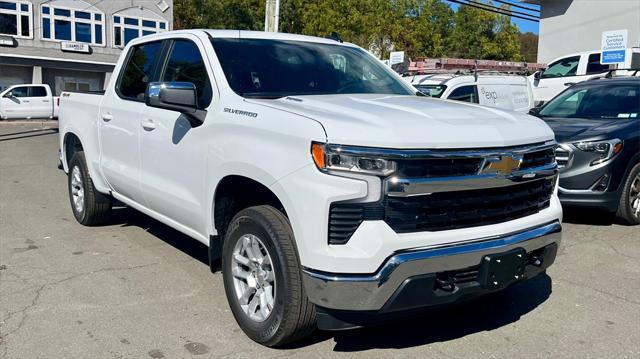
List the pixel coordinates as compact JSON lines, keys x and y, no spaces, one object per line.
{"x":173,"y":152}
{"x":120,"y":120}
{"x":16,"y":103}
{"x":41,"y":102}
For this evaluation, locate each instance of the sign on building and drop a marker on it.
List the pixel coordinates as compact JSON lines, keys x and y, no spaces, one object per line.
{"x":614,"y":45}
{"x":75,"y":47}
{"x":396,"y":57}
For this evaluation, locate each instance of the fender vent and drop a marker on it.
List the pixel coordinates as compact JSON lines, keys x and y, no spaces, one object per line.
{"x":345,"y":218}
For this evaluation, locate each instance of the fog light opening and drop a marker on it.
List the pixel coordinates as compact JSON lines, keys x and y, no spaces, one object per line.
{"x":601,"y":184}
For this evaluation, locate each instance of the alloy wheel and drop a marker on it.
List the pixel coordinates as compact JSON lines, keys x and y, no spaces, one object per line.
{"x":77,"y":189}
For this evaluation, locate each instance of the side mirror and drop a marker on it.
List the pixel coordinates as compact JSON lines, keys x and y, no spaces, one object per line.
{"x":537,"y":75}
{"x":535,"y":111}
{"x":176,"y":96}
{"x":8,"y":95}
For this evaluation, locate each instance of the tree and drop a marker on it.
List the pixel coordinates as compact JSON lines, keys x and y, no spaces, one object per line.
{"x":529,"y":46}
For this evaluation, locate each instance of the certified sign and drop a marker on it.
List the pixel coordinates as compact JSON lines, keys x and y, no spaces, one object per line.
{"x":74,"y":47}
{"x":396,"y":57}
{"x":614,"y":44}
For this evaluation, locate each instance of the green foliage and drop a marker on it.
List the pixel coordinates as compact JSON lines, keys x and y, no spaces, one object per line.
{"x":422,"y":28}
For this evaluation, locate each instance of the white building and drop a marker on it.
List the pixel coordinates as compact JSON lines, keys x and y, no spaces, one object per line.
{"x":570,"y":26}
{"x":72,"y":44}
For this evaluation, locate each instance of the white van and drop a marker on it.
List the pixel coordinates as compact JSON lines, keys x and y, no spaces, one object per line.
{"x":28,"y":101}
{"x":570,"y":69}
{"x":511,"y":92}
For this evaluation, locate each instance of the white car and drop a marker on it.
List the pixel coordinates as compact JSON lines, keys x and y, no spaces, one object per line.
{"x":332,"y":192}
{"x":509,"y":92}
{"x":28,"y":101}
{"x":570,"y":69}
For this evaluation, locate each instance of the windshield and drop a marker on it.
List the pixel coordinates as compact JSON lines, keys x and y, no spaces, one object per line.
{"x":431,"y":90}
{"x":605,"y":101}
{"x":260,"y":68}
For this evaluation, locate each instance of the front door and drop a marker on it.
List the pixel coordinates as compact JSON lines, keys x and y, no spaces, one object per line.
{"x":558,"y":76}
{"x":16,"y":104}
{"x":120,"y":121}
{"x":173,"y":152}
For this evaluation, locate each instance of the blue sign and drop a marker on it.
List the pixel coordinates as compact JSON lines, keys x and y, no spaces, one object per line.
{"x":613,"y":57}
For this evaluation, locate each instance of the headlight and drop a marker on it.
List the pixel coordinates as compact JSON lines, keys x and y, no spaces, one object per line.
{"x":606,"y":149}
{"x":332,"y":158}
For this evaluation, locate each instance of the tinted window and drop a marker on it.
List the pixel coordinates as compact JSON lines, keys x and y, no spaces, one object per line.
{"x":8,"y":24}
{"x":20,"y":92}
{"x":596,"y":102}
{"x":594,"y":66}
{"x":465,"y":93}
{"x":62,"y":29}
{"x":565,"y":67}
{"x":274,"y":68}
{"x":185,"y":64}
{"x":138,"y":71}
{"x":37,"y":91}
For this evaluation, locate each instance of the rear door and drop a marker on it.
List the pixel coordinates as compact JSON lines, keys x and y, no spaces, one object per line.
{"x":15,"y":103}
{"x":40,"y":99}
{"x":121,"y":114}
{"x":172,"y":151}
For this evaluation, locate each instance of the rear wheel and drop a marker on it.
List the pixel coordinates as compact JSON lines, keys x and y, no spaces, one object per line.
{"x":629,"y":207}
{"x":263,"y":278}
{"x":89,"y":206}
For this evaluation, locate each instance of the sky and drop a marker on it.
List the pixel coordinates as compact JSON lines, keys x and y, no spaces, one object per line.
{"x":523,"y":25}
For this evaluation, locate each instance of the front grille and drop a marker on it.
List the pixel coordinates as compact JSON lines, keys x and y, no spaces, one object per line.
{"x":438,"y":167}
{"x":451,"y":210}
{"x":537,"y":159}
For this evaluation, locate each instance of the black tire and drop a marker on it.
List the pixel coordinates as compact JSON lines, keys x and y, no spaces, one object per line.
{"x":625,"y":210}
{"x":293,"y":316}
{"x":96,"y":207}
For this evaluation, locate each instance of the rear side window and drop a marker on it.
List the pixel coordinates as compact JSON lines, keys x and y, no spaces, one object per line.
{"x":185,"y":64}
{"x":565,"y":67}
{"x":20,"y":92}
{"x":37,"y":91}
{"x":594,"y":66}
{"x":138,"y":71}
{"x":465,"y":94}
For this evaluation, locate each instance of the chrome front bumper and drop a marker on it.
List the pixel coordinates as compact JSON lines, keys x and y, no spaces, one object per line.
{"x":370,"y":292}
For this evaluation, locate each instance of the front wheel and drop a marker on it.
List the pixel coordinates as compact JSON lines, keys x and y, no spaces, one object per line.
{"x":263,"y":278}
{"x":629,"y":207}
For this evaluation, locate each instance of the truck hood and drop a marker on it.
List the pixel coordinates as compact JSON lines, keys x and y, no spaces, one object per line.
{"x":393,"y":121}
{"x":575,"y":129}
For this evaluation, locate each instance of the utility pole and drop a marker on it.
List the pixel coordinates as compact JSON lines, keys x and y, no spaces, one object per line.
{"x":272,"y":16}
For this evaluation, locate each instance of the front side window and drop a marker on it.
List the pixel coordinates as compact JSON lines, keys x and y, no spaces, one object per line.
{"x":465,"y":94}
{"x":275,"y":68}
{"x":16,"y":19}
{"x":596,"y":102}
{"x":431,"y":90}
{"x":561,"y":68}
{"x":63,"y":24}
{"x":20,"y":92}
{"x":138,"y":71}
{"x":594,"y":66}
{"x":185,"y":64}
{"x":127,"y":28}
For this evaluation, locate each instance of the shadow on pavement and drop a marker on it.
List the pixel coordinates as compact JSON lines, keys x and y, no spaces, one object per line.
{"x":27,"y":134}
{"x":590,"y":216}
{"x":435,"y":325}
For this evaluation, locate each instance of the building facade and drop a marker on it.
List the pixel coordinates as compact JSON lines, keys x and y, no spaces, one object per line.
{"x":570,"y":26}
{"x":72,"y":45}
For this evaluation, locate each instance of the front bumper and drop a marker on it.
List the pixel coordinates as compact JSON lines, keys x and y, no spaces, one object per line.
{"x":407,"y":279}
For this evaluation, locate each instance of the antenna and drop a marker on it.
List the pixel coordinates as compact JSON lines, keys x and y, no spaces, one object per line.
{"x":335,"y":37}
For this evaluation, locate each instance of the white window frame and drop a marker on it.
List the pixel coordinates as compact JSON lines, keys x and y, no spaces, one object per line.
{"x":19,"y":13}
{"x":73,"y":20}
{"x":120,"y":26}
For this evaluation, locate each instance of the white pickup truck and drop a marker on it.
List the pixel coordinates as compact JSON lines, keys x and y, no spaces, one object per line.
{"x":28,"y":101}
{"x":329,"y":193}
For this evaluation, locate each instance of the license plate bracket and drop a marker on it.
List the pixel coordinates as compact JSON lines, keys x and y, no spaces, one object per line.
{"x":501,"y":269}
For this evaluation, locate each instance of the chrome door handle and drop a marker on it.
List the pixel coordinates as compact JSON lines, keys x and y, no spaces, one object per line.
{"x":148,"y":124}
{"x":106,"y":117}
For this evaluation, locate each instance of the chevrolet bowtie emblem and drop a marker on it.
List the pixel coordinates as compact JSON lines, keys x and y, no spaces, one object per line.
{"x":502,"y":165}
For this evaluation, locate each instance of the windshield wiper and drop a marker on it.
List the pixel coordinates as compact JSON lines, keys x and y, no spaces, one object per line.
{"x":262,"y":95}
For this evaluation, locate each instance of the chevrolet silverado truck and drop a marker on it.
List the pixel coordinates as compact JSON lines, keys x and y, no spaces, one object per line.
{"x":329,"y":192}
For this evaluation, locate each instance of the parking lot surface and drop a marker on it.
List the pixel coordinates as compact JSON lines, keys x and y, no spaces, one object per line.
{"x":136,"y":288}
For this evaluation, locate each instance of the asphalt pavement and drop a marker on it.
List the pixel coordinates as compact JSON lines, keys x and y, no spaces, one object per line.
{"x":136,"y":288}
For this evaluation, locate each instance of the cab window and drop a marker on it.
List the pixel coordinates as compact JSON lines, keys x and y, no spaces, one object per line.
{"x":20,"y":92}
{"x":185,"y":64}
{"x":465,"y":94}
{"x":138,"y":71}
{"x":561,"y":68}
{"x":37,"y":91}
{"x":594,"y":66}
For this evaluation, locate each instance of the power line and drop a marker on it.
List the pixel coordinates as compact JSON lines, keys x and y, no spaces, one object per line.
{"x":501,"y":9}
{"x":517,"y":5}
{"x":501,"y":12}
